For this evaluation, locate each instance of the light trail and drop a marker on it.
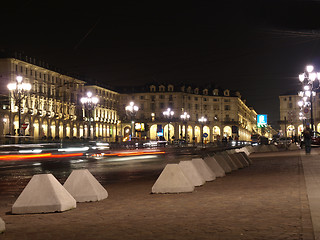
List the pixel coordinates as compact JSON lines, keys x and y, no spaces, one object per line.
{"x":18,"y":157}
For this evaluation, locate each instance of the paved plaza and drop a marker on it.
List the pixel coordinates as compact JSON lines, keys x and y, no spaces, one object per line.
{"x":275,"y":198}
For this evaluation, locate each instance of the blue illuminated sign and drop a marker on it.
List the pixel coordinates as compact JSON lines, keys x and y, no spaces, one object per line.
{"x":262,"y":120}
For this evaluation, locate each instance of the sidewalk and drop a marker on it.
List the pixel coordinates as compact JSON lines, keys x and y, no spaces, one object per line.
{"x":311,"y":167}
{"x":267,"y":200}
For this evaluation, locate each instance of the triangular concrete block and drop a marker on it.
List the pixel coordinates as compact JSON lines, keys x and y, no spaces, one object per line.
{"x":203,"y":169}
{"x":172,"y":180}
{"x":222,"y":162}
{"x":235,"y":160}
{"x":2,"y":226}
{"x":229,"y":161}
{"x":43,"y":194}
{"x":243,"y":161}
{"x":293,"y":147}
{"x":274,"y":148}
{"x":246,"y":157}
{"x":84,"y":187}
{"x":264,"y":148}
{"x":214,"y":166}
{"x":243,"y":149}
{"x":191,"y":172}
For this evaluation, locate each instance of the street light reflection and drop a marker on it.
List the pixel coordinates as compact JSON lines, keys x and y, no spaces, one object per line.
{"x":118,"y":159}
{"x":73,"y":149}
{"x":31,"y":151}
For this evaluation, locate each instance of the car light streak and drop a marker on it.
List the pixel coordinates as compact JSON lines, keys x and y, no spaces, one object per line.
{"x":130,"y":158}
{"x":17,"y":157}
{"x":132,"y":154}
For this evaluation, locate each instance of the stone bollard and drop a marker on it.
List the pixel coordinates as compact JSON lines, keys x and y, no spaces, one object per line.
{"x":2,"y":226}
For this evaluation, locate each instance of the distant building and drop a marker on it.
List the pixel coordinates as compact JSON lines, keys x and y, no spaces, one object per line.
{"x":290,"y":123}
{"x":226,"y":113}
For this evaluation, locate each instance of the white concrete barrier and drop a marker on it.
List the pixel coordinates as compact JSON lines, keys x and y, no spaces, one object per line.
{"x":2,"y":226}
{"x":84,"y":187}
{"x":229,"y":161}
{"x":293,"y":147}
{"x":243,"y":149}
{"x":250,"y":149}
{"x":231,"y":151}
{"x":43,"y":194}
{"x":246,"y":157}
{"x":222,"y":162}
{"x":273,"y":148}
{"x":214,"y":166}
{"x":236,"y":160}
{"x":172,"y":180}
{"x":203,"y":169}
{"x":243,"y":161}
{"x":264,"y":148}
{"x":192,"y":173}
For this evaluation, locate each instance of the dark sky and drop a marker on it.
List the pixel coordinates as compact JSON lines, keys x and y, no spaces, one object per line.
{"x":256,"y":47}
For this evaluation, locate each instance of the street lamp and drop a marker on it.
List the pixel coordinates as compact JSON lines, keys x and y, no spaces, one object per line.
{"x":168,"y":114}
{"x":307,"y":79}
{"x":89,"y":104}
{"x":202,"y":120}
{"x":131,"y":111}
{"x":19,"y":91}
{"x":185,"y":117}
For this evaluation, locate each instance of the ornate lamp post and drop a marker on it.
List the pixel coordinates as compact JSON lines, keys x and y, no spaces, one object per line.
{"x":185,"y":117}
{"x":307,"y":79}
{"x":131,"y":111}
{"x":202,"y":120}
{"x":89,"y":104}
{"x":168,"y":114}
{"x":19,"y":91}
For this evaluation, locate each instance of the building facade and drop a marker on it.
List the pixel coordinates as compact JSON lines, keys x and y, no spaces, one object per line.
{"x":226,"y":113}
{"x":290,"y":123}
{"x":52,"y":109}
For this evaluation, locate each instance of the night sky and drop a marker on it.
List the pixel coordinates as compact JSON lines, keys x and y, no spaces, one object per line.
{"x":256,"y":47}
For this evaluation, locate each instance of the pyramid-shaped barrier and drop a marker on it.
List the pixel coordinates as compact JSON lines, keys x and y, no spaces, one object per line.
{"x":214,"y":166}
{"x":229,"y":161}
{"x":235,"y":160}
{"x":2,"y":226}
{"x":191,"y":172}
{"x":246,"y":157}
{"x":293,"y":147}
{"x":43,"y":194}
{"x":243,"y":161}
{"x":204,"y":169}
{"x":84,"y":187}
{"x":172,"y":180}
{"x":222,"y":162}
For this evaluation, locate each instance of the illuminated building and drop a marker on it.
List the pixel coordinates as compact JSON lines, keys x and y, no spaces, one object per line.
{"x":52,"y":109}
{"x":289,"y":114}
{"x":226,"y":113}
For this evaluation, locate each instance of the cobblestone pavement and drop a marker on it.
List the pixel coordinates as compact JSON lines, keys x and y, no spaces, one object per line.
{"x":267,"y":200}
